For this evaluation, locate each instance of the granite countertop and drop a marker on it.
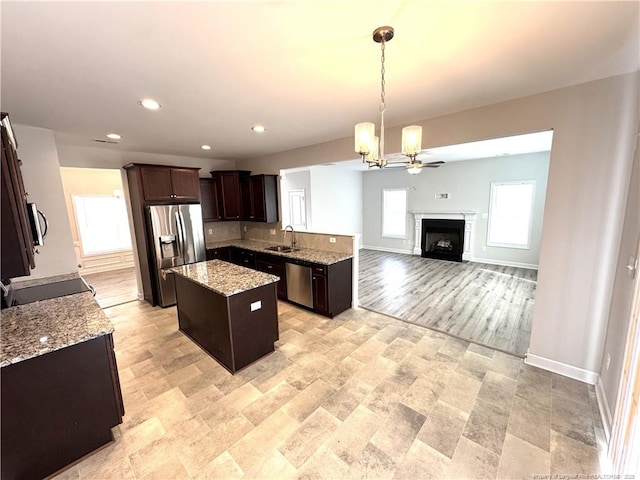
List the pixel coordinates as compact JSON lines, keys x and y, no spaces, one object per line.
{"x":322,"y":257}
{"x":42,"y":327}
{"x":224,"y":278}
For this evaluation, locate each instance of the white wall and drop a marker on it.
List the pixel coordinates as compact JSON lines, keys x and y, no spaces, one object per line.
{"x":333,"y":196}
{"x":468,"y":184}
{"x":620,"y":312}
{"x":41,"y":176}
{"x":336,"y":195}
{"x":594,"y":128}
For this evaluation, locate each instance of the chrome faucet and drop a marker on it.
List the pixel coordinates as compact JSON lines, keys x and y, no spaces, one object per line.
{"x":293,"y":236}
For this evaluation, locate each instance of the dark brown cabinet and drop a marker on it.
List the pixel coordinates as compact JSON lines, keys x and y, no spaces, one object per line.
{"x":244,"y":258}
{"x":17,"y":240}
{"x":169,"y":184}
{"x":230,"y":328}
{"x":320,"y":287}
{"x":58,"y":407}
{"x":222,"y":253}
{"x":259,"y":195}
{"x":332,"y":287}
{"x":209,"y":200}
{"x":228,"y":188}
{"x":275,"y":266}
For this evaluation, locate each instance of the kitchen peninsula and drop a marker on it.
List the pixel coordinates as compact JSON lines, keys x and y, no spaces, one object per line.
{"x":229,"y":310}
{"x":60,"y":387}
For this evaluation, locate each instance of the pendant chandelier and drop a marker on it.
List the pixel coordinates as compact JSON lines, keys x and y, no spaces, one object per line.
{"x":371,"y":147}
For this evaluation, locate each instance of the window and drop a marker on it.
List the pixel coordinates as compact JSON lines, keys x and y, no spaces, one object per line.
{"x":103,"y":225}
{"x":394,"y":213}
{"x":510,"y":214}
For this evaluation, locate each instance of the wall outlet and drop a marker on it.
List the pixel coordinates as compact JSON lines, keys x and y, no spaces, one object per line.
{"x":442,"y":196}
{"x":256,"y":305}
{"x":607,"y":363}
{"x":245,"y":228}
{"x":332,"y":240}
{"x":210,"y":230}
{"x":272,"y":231}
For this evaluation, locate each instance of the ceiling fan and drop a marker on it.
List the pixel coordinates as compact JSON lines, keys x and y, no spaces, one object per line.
{"x":415,"y":166}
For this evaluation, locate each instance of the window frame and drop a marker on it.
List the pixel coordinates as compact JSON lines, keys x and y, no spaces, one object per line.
{"x":383,"y":211}
{"x":494,"y":185}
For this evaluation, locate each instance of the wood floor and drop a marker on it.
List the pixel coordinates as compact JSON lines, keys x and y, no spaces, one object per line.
{"x":361,"y":395}
{"x":114,"y":287}
{"x":486,"y":304}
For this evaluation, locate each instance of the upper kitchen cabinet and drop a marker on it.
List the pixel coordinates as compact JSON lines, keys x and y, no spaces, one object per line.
{"x":17,"y":239}
{"x":209,"y":200}
{"x":167,"y":184}
{"x":228,"y":188}
{"x":259,"y":198}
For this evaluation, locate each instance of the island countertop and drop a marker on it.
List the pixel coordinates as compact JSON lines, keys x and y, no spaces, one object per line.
{"x":48,"y":325}
{"x":323,"y":257}
{"x":224,"y":278}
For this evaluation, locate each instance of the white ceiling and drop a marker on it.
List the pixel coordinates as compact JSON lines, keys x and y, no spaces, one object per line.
{"x":307,"y":70}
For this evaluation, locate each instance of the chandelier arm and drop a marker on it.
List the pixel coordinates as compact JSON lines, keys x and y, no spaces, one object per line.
{"x":383,"y":105}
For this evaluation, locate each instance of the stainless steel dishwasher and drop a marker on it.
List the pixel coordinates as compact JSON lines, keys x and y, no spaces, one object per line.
{"x":299,"y":284}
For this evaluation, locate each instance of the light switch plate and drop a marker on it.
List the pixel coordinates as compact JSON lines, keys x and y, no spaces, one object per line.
{"x":332,"y":240}
{"x":256,"y":305}
{"x":272,"y":231}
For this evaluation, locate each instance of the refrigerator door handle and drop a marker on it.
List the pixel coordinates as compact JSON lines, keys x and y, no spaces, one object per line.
{"x":180,"y":235}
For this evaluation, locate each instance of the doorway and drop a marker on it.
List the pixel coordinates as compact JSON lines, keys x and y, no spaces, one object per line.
{"x":99,"y":223}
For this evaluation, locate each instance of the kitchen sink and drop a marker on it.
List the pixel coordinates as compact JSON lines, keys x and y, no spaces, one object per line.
{"x":281,"y":248}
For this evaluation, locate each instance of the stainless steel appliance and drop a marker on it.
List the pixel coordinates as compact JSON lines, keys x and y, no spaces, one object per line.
{"x":34,"y":222}
{"x":22,"y":296}
{"x":178,"y":238}
{"x":299,"y":284}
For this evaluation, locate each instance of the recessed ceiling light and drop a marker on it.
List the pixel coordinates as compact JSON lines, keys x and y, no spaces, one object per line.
{"x":258,"y":128}
{"x":149,"y":104}
{"x":206,"y":147}
{"x":114,"y":136}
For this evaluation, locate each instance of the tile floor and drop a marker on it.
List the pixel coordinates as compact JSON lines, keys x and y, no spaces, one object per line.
{"x":359,"y":396}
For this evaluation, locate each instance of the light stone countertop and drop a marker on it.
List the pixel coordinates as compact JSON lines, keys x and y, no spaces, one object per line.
{"x":33,"y":329}
{"x":224,"y":278}
{"x":322,"y":257}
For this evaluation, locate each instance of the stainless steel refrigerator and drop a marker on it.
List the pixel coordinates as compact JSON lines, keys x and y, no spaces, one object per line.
{"x":178,"y":238}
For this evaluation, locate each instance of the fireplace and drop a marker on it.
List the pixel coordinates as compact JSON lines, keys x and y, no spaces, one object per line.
{"x":442,"y":239}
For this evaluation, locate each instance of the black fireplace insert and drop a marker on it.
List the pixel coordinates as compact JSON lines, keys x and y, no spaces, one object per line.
{"x":443,"y":239}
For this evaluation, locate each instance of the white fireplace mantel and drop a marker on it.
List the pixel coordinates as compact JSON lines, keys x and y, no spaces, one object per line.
{"x":468,"y":216}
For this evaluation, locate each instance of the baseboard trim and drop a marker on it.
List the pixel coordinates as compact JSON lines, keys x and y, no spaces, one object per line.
{"x":465,"y":257}
{"x":385,"y":249}
{"x":603,"y":406}
{"x":530,"y":266}
{"x":567,"y":370}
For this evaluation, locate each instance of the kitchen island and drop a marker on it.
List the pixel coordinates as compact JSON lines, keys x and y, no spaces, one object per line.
{"x":60,"y":388}
{"x":229,"y":310}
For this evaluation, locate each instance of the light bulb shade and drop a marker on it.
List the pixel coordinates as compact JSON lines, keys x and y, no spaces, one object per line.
{"x":364,"y":135}
{"x":411,"y":140}
{"x":414,"y":169}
